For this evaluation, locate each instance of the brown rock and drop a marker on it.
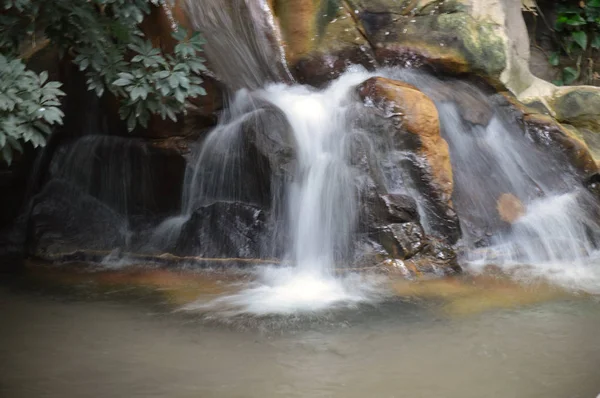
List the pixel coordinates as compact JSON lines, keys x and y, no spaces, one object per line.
{"x":420,"y":117}
{"x":409,"y":119}
{"x":510,"y":207}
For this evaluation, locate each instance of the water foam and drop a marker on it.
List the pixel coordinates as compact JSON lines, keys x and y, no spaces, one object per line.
{"x":286,"y":291}
{"x":321,"y":207}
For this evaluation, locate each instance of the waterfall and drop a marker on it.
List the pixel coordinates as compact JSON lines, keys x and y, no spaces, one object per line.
{"x":555,"y":231}
{"x":320,"y":198}
{"x":242,"y":41}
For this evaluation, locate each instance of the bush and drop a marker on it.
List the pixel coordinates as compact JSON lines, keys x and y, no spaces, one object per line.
{"x":578,"y":29}
{"x":104,"y":40}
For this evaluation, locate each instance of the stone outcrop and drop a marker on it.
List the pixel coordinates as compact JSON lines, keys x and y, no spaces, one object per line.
{"x":225,"y":229}
{"x":410,"y":121}
{"x":64,"y":219}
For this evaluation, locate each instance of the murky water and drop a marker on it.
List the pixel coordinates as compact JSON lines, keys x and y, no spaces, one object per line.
{"x":118,"y":334}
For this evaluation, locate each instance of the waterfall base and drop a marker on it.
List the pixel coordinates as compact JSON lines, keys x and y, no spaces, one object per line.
{"x":288,"y":291}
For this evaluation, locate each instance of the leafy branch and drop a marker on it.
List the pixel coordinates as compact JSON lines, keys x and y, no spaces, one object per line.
{"x":578,"y":30}
{"x":103,"y":38}
{"x":29,"y":105}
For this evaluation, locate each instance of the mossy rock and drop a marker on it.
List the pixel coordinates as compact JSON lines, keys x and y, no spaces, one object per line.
{"x":410,"y":7}
{"x":455,"y":42}
{"x":579,"y":106}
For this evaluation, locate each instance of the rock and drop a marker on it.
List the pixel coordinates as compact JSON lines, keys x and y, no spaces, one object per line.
{"x":65,"y":219}
{"x":436,"y":258}
{"x":268,"y":134}
{"x":134,"y":176}
{"x":321,"y":40}
{"x":578,"y":109}
{"x":399,"y":208}
{"x":578,"y":106}
{"x":561,"y":142}
{"x":401,"y":241}
{"x":510,"y":208}
{"x":454,"y":42}
{"x":224,"y":230}
{"x":409,"y":119}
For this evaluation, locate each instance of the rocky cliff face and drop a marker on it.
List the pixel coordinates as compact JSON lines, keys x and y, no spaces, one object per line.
{"x":479,"y":43}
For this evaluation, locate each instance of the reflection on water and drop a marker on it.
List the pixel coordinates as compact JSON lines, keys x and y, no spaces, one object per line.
{"x":116,"y":334}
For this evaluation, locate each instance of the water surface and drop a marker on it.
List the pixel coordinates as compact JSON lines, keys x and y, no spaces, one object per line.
{"x":93,"y":338}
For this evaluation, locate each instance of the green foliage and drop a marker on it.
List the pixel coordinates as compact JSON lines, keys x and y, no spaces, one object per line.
{"x":29,"y":105}
{"x":578,"y":27}
{"x":103,"y":38}
{"x":157,"y":83}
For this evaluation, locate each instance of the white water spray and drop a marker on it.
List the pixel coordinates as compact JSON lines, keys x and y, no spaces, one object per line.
{"x":322,"y":205}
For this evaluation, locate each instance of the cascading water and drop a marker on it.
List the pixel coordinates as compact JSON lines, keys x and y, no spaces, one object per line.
{"x":321,"y":203}
{"x":241,"y":41}
{"x":554,"y":236}
{"x":554,"y":231}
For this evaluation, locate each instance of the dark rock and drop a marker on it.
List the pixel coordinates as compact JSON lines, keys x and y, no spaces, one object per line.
{"x":401,"y":241}
{"x":63,"y":219}
{"x":436,"y":258}
{"x":224,"y":230}
{"x":400,"y":208}
{"x":268,"y":135}
{"x":131,"y":175}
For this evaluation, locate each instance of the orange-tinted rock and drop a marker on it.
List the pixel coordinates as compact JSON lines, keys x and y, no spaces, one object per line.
{"x":510,"y":207}
{"x":320,"y":42}
{"x":420,"y":117}
{"x":412,"y":123}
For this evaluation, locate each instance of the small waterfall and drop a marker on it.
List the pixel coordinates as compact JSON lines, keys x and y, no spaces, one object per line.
{"x":114,"y":170}
{"x":322,"y":198}
{"x":500,"y":167}
{"x":321,"y":201}
{"x":242,"y":41}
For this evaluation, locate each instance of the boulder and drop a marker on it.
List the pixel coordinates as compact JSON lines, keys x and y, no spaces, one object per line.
{"x":224,"y":230}
{"x":321,"y":39}
{"x":401,"y":241}
{"x":453,"y":42}
{"x":409,"y":119}
{"x":134,"y":176}
{"x":64,"y":219}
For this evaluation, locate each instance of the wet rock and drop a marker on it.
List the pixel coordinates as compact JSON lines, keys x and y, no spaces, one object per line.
{"x":454,"y":42}
{"x":510,"y":207}
{"x":399,"y":208}
{"x":64,"y":219}
{"x":401,"y":241}
{"x":321,"y":40}
{"x":561,"y":142}
{"x":436,"y":258}
{"x":224,"y":230}
{"x":134,"y":176}
{"x":268,"y":135}
{"x":578,"y":106}
{"x":409,"y":119}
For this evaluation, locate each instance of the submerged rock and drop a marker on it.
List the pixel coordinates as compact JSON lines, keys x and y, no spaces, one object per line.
{"x":224,"y":230}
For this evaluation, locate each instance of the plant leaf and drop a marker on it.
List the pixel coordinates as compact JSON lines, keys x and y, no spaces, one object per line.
{"x":580,"y":38}
{"x":570,"y":75}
